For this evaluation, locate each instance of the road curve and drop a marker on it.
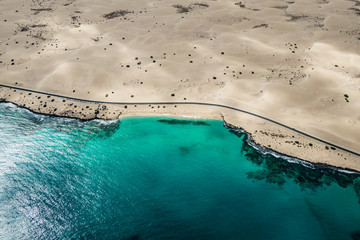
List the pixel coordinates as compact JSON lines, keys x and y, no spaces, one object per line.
{"x":187,"y":103}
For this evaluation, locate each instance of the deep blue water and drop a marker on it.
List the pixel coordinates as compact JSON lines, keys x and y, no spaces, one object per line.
{"x":160,"y":178}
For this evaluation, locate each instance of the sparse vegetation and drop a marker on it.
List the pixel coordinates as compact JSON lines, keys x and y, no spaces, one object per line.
{"x":203,"y":5}
{"x":182,"y":9}
{"x":240,"y":4}
{"x":115,"y":14}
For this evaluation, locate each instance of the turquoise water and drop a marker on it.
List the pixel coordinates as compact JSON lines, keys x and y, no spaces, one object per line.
{"x":160,"y":178}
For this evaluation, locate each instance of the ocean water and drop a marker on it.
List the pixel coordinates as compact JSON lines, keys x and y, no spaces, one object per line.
{"x":160,"y":178}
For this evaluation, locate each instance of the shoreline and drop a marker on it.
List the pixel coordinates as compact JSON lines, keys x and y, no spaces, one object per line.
{"x":252,"y":138}
{"x":173,"y":103}
{"x":248,"y":138}
{"x":291,"y":159}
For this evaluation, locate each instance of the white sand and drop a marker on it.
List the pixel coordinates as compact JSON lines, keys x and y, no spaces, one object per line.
{"x":288,"y":61}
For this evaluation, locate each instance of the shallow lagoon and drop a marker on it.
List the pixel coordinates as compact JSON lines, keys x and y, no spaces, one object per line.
{"x":160,"y":178}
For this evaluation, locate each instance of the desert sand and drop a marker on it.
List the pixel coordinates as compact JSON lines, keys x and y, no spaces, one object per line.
{"x":296,"y":62}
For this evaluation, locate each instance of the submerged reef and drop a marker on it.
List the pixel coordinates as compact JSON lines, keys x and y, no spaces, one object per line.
{"x":183,"y":122}
{"x":277,"y":170}
{"x":357,"y":187}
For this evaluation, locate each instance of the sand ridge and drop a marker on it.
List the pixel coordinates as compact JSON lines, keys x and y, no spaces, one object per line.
{"x":293,"y":61}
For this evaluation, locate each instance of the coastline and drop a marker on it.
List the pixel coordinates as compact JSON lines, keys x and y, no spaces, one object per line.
{"x":266,"y":136}
{"x":291,"y":159}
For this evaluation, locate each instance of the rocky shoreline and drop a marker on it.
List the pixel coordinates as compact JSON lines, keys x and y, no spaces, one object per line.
{"x":267,"y":151}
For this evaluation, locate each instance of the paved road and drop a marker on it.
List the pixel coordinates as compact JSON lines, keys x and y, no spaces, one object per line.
{"x":187,"y":103}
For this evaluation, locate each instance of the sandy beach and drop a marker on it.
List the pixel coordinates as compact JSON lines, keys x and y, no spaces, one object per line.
{"x":296,"y":62}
